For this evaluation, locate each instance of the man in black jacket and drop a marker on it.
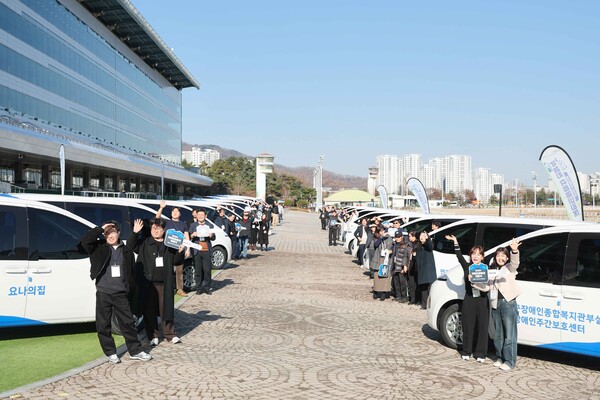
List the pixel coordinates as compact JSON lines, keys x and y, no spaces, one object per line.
{"x":112,"y":268}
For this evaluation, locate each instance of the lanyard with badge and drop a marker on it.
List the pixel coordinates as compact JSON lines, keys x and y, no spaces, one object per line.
{"x":159,"y":258}
{"x":115,"y":268}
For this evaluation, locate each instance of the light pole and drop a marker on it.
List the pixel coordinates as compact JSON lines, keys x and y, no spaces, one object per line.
{"x":534,"y":190}
{"x":593,"y":185}
{"x":516,"y":192}
{"x":319,"y":182}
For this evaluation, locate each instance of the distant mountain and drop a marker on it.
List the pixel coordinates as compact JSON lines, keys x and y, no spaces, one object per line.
{"x":305,"y":174}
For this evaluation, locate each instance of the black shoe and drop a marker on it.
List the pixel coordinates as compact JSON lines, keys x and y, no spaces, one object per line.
{"x":199,"y":292}
{"x":383,"y":297}
{"x":375,"y":295}
{"x":207,"y":291}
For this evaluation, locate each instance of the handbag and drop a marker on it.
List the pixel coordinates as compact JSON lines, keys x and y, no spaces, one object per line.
{"x":384,"y":269}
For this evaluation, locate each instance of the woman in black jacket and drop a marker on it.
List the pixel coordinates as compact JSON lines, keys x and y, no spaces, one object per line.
{"x":426,"y":266}
{"x":157,"y":263}
{"x":475,"y":307}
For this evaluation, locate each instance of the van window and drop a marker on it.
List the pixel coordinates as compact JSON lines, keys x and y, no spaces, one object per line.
{"x":542,"y":258}
{"x":493,"y":235}
{"x":13,"y":235}
{"x":54,"y":236}
{"x":586,"y":269}
{"x":464,"y":233}
{"x":101,"y":213}
{"x":138,"y":213}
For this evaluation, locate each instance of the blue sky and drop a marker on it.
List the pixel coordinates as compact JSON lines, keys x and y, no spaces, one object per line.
{"x":497,"y":80}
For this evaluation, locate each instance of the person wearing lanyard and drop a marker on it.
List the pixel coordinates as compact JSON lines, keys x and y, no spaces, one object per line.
{"x":157,"y":264}
{"x":112,"y":268}
{"x":503,"y":298}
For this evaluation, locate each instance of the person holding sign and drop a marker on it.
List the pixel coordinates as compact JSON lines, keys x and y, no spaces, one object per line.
{"x":201,"y":234}
{"x":475,"y":307}
{"x":157,"y":263}
{"x":181,"y":226}
{"x":505,"y":312}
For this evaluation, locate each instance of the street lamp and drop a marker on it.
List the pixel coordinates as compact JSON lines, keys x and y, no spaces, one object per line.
{"x":594,"y":185}
{"x":318,"y":179}
{"x":534,"y":189}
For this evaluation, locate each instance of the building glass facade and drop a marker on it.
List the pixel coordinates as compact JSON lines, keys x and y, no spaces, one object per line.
{"x":56,"y":71}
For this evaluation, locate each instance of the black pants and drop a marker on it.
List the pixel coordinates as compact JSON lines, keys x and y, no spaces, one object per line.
{"x":106,"y":305}
{"x":361,"y":253}
{"x":333,"y":234}
{"x":400,"y":286}
{"x":412,"y":288}
{"x":154,"y":309}
{"x":475,"y":320}
{"x":424,"y":292}
{"x":323,"y":225}
{"x":203,"y":269}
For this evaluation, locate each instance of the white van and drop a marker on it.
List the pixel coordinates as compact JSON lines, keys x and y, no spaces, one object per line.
{"x":44,"y":271}
{"x":486,"y":231}
{"x":559,"y":274}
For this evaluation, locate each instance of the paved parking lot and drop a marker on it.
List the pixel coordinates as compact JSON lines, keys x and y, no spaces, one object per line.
{"x":299,"y":322}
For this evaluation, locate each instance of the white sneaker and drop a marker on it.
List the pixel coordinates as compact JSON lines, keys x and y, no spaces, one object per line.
{"x":497,"y":363}
{"x":154,"y":342}
{"x":114,"y":359}
{"x":481,"y":360}
{"x":142,"y":355}
{"x":175,"y":340}
{"x":466,"y":358}
{"x":505,"y":367}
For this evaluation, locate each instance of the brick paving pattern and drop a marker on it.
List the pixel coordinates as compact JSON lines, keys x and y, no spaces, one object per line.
{"x":300,"y":322}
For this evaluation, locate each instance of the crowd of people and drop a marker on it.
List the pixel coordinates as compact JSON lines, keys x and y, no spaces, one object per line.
{"x":146,"y":285}
{"x":402,"y":265}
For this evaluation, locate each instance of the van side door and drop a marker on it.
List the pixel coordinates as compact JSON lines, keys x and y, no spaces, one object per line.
{"x":580,"y":315}
{"x":59,"y":287}
{"x":13,"y":265}
{"x":540,"y":279}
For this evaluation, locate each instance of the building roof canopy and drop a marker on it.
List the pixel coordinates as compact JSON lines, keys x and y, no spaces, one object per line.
{"x":126,"y":22}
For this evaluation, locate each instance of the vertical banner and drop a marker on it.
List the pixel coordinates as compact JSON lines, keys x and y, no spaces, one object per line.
{"x":61,"y":156}
{"x":561,"y":170}
{"x":415,"y":186}
{"x":384,"y":195}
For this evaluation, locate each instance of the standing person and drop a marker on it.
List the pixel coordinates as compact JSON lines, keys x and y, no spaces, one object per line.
{"x":280,"y":210}
{"x":361,"y":234}
{"x":263,"y":233}
{"x":256,"y":217}
{"x":111,"y":265}
{"x":232,"y":233}
{"x":475,"y":307}
{"x":244,"y":234}
{"x":413,"y":293}
{"x":370,"y":247}
{"x":435,"y":225}
{"x":505,"y":311}
{"x":400,"y":260}
{"x":426,"y":274}
{"x":181,"y":226}
{"x":200,"y":233}
{"x":157,"y":262}
{"x":274,"y":215}
{"x":323,"y":218}
{"x":221,"y":220}
{"x":382,"y":286}
{"x":333,"y":224}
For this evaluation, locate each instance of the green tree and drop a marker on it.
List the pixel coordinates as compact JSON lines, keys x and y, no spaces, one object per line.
{"x":236,"y":175}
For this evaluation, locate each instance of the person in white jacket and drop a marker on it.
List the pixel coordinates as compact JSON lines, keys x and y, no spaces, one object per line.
{"x":504,"y":290}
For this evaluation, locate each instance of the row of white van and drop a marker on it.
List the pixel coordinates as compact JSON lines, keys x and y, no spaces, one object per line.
{"x":559,"y":274}
{"x":44,"y":272}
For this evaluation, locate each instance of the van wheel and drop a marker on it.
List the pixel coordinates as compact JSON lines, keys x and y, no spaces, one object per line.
{"x":218,"y":257}
{"x":451,"y":326}
{"x":189,"y":277}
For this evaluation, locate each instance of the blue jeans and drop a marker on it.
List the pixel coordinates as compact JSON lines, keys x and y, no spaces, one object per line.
{"x":243,"y":247}
{"x":505,"y":341}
